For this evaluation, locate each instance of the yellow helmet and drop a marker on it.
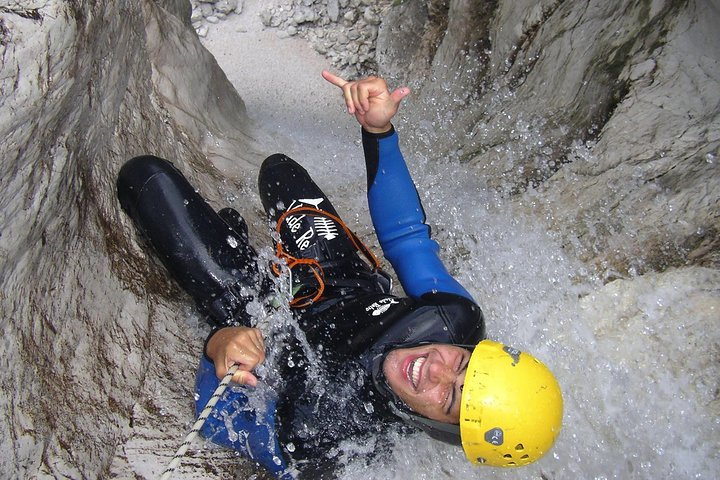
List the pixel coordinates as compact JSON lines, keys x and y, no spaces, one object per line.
{"x":511,"y":407}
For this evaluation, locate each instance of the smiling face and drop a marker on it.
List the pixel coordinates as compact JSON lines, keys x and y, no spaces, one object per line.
{"x":429,"y":379}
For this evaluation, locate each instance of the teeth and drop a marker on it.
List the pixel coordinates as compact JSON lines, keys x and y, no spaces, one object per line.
{"x":415,"y":368}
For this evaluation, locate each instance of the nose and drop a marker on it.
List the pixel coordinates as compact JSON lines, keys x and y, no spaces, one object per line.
{"x":441,"y":374}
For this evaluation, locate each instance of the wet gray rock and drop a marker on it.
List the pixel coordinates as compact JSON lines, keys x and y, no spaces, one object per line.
{"x":345,"y":31}
{"x":596,"y":110}
{"x":333,"y":10}
{"x":85,"y":380}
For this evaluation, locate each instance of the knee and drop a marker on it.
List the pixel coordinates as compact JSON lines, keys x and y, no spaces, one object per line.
{"x":270,"y":164}
{"x":136,"y":173}
{"x":138,"y":170}
{"x":274,"y":160}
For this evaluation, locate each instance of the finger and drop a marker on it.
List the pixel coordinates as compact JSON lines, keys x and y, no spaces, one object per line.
{"x":259,"y":340}
{"x":256,"y":347}
{"x":334,"y":79}
{"x":349,"y":101}
{"x":244,"y":377}
{"x":222,"y":369}
{"x":343,"y":84}
{"x":250,"y":340}
{"x":248,"y":358}
{"x":355,"y":94}
{"x":399,"y":94}
{"x":365,"y":91}
{"x":347,"y":96}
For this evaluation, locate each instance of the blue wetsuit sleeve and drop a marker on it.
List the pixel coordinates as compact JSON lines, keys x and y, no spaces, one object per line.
{"x":399,"y":220}
{"x":240,"y":423}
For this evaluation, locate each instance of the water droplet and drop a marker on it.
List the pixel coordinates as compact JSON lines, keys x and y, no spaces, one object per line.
{"x":232,"y":241}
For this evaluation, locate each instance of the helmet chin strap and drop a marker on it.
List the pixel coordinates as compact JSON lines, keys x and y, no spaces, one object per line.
{"x":445,"y":432}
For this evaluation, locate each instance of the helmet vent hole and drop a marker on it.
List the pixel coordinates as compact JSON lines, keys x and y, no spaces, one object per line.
{"x":519,"y":447}
{"x":525,"y":457}
{"x":511,"y":464}
{"x":507,"y":455}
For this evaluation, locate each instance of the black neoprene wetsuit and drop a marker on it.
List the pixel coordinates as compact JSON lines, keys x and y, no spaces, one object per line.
{"x":294,"y":427}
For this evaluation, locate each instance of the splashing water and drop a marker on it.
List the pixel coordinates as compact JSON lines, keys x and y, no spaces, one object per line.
{"x":637,"y":359}
{"x":638,"y":374}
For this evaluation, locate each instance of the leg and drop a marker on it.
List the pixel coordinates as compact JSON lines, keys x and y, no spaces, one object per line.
{"x":208,"y":258}
{"x":285,"y":186}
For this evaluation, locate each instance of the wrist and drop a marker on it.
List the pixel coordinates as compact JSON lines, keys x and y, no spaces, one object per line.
{"x":209,"y":347}
{"x":378,"y":133}
{"x":378,"y":130}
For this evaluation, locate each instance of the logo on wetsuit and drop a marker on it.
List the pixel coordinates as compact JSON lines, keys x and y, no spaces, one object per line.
{"x":322,"y":226}
{"x":381,"y":306}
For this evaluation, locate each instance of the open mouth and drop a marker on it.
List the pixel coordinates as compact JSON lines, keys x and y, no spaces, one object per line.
{"x":413,"y":371}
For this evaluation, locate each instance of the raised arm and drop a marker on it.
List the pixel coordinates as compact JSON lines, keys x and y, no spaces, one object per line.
{"x":395,"y":207}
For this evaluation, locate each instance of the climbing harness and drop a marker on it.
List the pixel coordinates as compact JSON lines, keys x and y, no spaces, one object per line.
{"x":175,"y":462}
{"x":314,"y":266}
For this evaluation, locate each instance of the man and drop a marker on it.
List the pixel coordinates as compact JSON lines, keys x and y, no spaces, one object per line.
{"x":363,"y":360}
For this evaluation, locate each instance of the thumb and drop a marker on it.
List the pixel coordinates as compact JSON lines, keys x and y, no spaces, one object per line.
{"x":399,"y":94}
{"x":243,"y":377}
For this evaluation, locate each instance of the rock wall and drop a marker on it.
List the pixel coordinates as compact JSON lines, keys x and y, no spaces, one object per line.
{"x":607,"y":110}
{"x":92,"y":341}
